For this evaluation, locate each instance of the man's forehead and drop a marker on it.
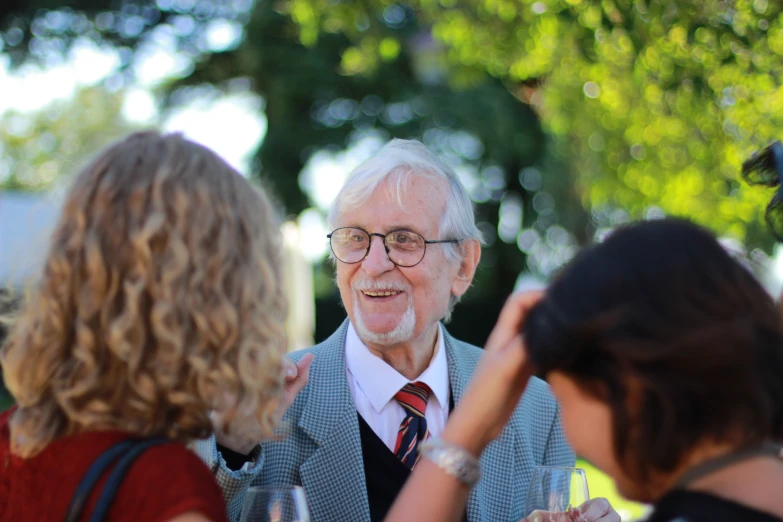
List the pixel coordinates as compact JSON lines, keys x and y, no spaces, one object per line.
{"x":391,"y":226}
{"x":395,"y":214}
{"x":387,"y":218}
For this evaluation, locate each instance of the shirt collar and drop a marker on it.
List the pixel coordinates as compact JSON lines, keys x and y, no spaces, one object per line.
{"x":380,"y":382}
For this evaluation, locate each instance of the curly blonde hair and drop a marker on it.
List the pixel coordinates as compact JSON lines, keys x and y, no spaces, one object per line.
{"x":160,"y":300}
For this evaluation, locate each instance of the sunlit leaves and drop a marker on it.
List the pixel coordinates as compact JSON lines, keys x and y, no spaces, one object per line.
{"x":660,"y":101}
{"x":38,"y":148}
{"x":664,"y":115}
{"x":672,"y":124}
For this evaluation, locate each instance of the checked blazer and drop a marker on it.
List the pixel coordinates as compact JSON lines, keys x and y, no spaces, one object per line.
{"x":322,"y":450}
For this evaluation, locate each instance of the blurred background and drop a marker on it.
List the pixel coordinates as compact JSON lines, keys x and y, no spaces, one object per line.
{"x":564,"y":118}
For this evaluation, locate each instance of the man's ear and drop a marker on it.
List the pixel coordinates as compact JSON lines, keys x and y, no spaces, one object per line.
{"x":471,"y":254}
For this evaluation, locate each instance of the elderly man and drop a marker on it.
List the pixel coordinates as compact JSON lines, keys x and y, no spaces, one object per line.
{"x":406,"y":248}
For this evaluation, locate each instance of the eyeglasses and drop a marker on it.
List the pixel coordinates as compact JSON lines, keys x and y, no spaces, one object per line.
{"x":766,"y":169}
{"x":404,"y":247}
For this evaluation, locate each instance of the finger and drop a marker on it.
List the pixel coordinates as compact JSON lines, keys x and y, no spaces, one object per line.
{"x":515,"y":346}
{"x":595,"y":509}
{"x":512,"y":318}
{"x":611,"y":516}
{"x":511,"y":357}
{"x":294,"y":386}
{"x":303,"y":367}
{"x":290,"y":369}
{"x":516,"y":355}
{"x":547,"y":516}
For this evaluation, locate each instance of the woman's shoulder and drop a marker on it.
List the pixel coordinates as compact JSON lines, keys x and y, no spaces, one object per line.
{"x":5,"y":449}
{"x":694,"y":506}
{"x":182,"y":482}
{"x":164,"y":482}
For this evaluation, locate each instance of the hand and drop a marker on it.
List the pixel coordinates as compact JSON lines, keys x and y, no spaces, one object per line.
{"x":548,"y":516}
{"x":297,"y":375}
{"x":498,"y":383}
{"x":246,"y":436}
{"x":597,"y":510}
{"x":594,"y":510}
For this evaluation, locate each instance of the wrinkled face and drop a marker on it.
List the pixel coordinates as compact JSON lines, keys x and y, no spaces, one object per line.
{"x":587,"y":422}
{"x":388,"y":304}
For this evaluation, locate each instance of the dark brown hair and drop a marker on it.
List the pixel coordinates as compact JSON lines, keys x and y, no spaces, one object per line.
{"x":675,"y":335}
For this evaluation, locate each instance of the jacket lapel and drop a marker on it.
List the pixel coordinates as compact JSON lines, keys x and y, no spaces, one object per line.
{"x":492,"y":498}
{"x":333,"y":476}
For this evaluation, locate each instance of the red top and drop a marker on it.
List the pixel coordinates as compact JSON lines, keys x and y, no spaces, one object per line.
{"x":164,"y":482}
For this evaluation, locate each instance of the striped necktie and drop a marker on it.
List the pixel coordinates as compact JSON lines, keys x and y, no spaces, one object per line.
{"x":413,"y":429}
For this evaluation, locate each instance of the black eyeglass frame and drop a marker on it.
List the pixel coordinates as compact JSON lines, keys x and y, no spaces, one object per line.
{"x":385,"y":246}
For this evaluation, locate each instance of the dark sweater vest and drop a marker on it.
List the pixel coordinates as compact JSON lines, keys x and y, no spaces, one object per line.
{"x":384,"y":473}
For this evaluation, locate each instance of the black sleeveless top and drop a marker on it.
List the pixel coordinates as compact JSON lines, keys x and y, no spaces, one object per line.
{"x":691,"y":506}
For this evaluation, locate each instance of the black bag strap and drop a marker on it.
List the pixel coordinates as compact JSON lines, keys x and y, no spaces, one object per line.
{"x":94,"y":473}
{"x":125,"y":453}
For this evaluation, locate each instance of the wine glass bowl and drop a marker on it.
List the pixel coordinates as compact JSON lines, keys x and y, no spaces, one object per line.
{"x":554,"y":494}
{"x":275,"y":504}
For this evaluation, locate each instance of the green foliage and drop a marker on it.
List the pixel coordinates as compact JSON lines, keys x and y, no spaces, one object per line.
{"x":37,"y":148}
{"x":660,"y":101}
{"x":6,"y":401}
{"x":618,"y":104}
{"x":323,"y":96}
{"x":318,"y":97}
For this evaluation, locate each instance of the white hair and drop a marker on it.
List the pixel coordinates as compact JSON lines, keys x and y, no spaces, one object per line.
{"x":391,"y":167}
{"x":404,"y":329}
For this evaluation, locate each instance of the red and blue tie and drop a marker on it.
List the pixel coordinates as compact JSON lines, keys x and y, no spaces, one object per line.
{"x":413,"y":429}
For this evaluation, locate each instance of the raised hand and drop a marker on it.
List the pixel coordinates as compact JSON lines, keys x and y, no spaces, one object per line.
{"x":593,"y":510}
{"x":246,"y":434}
{"x":597,"y":510}
{"x":499,"y":381}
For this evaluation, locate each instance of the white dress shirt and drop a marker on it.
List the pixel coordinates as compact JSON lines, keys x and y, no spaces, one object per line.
{"x":374,"y":383}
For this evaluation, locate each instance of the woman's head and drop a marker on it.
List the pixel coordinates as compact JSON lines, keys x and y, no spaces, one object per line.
{"x":159,"y":300}
{"x":656,"y":342}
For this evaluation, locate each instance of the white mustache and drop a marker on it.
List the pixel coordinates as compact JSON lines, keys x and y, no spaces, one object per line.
{"x":375,"y":286}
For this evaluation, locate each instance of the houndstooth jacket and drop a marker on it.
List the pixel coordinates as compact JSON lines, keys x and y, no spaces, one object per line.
{"x":323,"y":451}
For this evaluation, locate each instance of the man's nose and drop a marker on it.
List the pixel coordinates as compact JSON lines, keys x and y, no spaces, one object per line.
{"x":377,"y":260}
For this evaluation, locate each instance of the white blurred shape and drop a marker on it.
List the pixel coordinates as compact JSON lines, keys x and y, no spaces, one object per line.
{"x":26,"y":224}
{"x":527,"y":282}
{"x":325,"y":172}
{"x":139,"y":107}
{"x":91,"y":63}
{"x":222,"y":35}
{"x":312,"y":241}
{"x":154,"y":64}
{"x":298,"y":289}
{"x":233,"y":126}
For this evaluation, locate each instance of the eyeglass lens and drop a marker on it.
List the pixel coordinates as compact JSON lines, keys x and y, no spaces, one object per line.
{"x":351,"y":245}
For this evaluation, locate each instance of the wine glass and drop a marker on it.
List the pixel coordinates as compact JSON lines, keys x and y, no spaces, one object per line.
{"x":554,"y":492}
{"x":275,"y":504}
